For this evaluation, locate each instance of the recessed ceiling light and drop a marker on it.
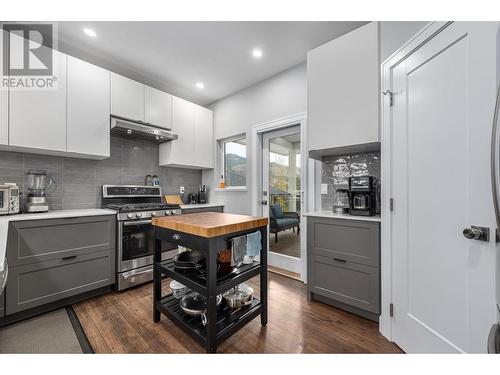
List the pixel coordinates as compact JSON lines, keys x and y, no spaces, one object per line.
{"x":257,"y":53}
{"x":200,"y":85}
{"x":89,"y":32}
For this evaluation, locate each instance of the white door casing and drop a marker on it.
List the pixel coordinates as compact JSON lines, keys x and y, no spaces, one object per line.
{"x":308,"y":173}
{"x":282,"y":261}
{"x":436,"y":167}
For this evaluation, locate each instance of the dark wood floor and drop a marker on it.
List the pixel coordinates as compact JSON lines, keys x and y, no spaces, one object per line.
{"x":122,"y":323}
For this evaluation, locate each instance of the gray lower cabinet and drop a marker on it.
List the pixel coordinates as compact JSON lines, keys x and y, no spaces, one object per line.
{"x":36,"y":284}
{"x":344,"y":264}
{"x":203,"y":209}
{"x":53,"y":259}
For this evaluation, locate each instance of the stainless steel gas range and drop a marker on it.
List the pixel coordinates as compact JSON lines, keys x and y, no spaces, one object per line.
{"x":135,"y":206}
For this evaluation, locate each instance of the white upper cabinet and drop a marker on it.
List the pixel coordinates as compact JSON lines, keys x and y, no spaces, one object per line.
{"x":37,"y":118}
{"x":4,"y":117}
{"x":203,"y":138}
{"x":181,"y":150}
{"x":127,"y":98}
{"x":194,"y":147}
{"x":4,"y":109}
{"x":343,"y":79}
{"x":88,"y":109}
{"x":157,"y":107}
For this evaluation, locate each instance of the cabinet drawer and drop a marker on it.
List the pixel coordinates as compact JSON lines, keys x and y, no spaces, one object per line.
{"x":43,"y":240}
{"x":34,"y":285}
{"x":202,"y":209}
{"x":354,"y":284}
{"x":350,"y":240}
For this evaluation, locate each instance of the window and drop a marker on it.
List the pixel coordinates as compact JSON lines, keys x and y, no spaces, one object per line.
{"x":234,"y":162}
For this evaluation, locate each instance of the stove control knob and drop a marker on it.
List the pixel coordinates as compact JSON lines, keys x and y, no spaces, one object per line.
{"x":139,"y":215}
{"x":168,"y":212}
{"x":130,"y":216}
{"x":153,"y":214}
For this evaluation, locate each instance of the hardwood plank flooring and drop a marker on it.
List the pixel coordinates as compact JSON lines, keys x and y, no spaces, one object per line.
{"x":122,"y":323}
{"x":282,"y":272}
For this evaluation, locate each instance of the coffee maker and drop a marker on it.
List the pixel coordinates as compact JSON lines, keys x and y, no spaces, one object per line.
{"x":38,"y":182}
{"x":363,"y":195}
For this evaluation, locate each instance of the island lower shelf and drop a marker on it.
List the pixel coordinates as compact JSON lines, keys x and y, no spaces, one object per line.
{"x":228,"y":320}
{"x":198,"y":281}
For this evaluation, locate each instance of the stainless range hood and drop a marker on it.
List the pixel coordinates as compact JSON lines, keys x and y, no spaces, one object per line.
{"x":139,"y":130}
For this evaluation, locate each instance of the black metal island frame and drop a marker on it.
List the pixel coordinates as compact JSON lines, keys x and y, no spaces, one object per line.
{"x":209,"y":232}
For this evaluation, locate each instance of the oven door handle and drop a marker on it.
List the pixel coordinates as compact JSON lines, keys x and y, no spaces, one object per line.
{"x":139,"y":222}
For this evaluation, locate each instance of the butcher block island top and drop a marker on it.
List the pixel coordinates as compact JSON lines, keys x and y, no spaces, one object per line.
{"x":209,"y":224}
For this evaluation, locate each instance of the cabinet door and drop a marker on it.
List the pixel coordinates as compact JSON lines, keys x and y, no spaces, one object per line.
{"x":158,"y":107}
{"x":4,"y":117}
{"x":37,"y":284}
{"x":203,"y":138}
{"x":88,"y":108}
{"x":352,"y":284}
{"x":37,"y":118}
{"x":343,"y":90}
{"x":4,"y":113}
{"x":180,"y":151}
{"x":127,"y":98}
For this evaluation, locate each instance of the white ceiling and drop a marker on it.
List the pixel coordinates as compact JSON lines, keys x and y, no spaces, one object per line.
{"x":173,"y":56}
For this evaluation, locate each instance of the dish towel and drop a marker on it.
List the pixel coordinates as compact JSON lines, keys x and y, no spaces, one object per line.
{"x":238,"y":250}
{"x":254,"y":244}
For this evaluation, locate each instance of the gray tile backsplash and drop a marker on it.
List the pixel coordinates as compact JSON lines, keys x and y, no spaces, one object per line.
{"x":336,"y":171}
{"x":77,"y":182}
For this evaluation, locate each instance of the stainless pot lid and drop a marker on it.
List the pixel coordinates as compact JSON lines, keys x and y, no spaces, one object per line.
{"x":241,"y":292}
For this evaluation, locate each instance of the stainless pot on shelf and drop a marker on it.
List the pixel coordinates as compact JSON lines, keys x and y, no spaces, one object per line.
{"x":195,"y":304}
{"x":239,"y":296}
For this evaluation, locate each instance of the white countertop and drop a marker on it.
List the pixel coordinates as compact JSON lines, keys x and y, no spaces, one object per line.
{"x":55,"y":214}
{"x":200,"y":205}
{"x":333,"y":215}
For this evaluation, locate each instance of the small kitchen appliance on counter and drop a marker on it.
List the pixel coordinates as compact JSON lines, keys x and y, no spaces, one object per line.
{"x":135,"y":207}
{"x":193,"y":198}
{"x":202,"y":195}
{"x":38,"y":182}
{"x":9,"y":199}
{"x":341,"y":205}
{"x":363,"y":196}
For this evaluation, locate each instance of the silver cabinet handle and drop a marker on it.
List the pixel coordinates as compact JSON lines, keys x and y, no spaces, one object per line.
{"x":494,"y":159}
{"x":139,"y":222}
{"x":129,"y":276}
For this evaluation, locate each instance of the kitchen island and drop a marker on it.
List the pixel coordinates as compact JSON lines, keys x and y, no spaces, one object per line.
{"x":209,"y":232}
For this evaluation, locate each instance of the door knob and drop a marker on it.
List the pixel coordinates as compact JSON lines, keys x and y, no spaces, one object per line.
{"x":264,"y":203}
{"x":477,"y":233}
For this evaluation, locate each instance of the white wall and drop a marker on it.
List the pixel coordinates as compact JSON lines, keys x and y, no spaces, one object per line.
{"x":279,"y":96}
{"x":282,"y":95}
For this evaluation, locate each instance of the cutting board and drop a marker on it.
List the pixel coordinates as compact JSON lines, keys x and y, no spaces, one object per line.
{"x":173,"y":199}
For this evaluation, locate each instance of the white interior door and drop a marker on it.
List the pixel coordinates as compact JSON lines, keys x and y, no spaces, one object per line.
{"x":282,"y":178}
{"x":443,"y":284}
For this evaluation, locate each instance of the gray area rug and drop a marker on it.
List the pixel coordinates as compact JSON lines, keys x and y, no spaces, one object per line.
{"x":48,"y":333}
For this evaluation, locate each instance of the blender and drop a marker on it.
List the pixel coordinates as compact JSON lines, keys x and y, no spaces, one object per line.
{"x":342,"y":204}
{"x":38,"y":182}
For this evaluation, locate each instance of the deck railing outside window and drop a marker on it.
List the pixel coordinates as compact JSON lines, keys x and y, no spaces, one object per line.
{"x":286,"y":201}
